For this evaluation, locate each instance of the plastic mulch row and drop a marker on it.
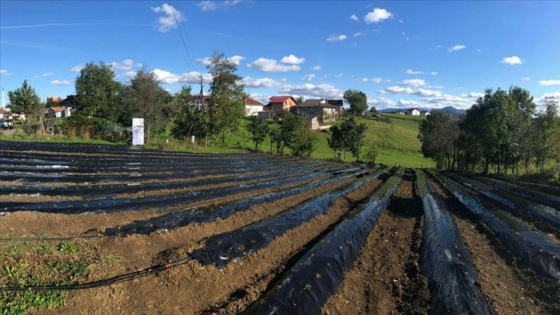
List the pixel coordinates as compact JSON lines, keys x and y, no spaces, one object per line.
{"x":445,"y":261}
{"x":307,"y":285}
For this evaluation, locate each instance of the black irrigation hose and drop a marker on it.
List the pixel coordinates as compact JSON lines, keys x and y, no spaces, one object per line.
{"x":307,"y":285}
{"x":445,"y":261}
{"x":100,"y":283}
{"x":535,"y":248}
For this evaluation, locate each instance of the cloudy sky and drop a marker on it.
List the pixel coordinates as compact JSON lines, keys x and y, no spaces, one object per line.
{"x":401,"y":54}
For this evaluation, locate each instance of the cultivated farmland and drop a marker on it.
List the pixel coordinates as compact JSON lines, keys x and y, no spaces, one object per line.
{"x":108,"y":230}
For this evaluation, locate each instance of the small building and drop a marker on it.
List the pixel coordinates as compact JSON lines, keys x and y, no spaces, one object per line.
{"x":281,"y":103}
{"x":5,"y":113}
{"x":413,"y":112}
{"x":253,"y":107}
{"x":200,"y":102}
{"x":324,"y":111}
{"x":58,"y":112}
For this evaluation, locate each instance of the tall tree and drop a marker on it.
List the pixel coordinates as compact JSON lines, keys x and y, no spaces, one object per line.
{"x":227,"y":102}
{"x":258,"y":129}
{"x":357,"y":101}
{"x":146,"y":98}
{"x":24,"y":99}
{"x":439,"y":134}
{"x":96,"y":91}
{"x":347,"y":137}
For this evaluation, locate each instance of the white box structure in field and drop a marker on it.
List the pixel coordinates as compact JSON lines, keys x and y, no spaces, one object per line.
{"x":137,"y":131}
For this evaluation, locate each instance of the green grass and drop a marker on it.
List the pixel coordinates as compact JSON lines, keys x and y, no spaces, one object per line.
{"x":396,"y":142}
{"x":39,"y":263}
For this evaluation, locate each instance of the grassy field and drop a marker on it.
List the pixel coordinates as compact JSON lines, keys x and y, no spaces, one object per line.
{"x":396,"y":142}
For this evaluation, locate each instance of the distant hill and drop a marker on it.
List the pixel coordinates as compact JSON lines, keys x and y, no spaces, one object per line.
{"x":449,"y":110}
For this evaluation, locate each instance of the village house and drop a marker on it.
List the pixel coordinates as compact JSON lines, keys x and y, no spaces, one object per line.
{"x":58,"y":112}
{"x":413,"y":112}
{"x":253,"y":107}
{"x":281,"y":103}
{"x":319,"y":108}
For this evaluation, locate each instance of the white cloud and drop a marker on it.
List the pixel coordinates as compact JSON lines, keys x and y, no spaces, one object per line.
{"x":381,"y":103}
{"x":193,"y":77}
{"x":336,"y":38}
{"x":409,"y":103}
{"x":397,"y":89}
{"x":356,"y":34}
{"x":473,"y":95}
{"x":271,"y":65}
{"x":61,"y":82}
{"x":233,"y":59}
{"x":553,"y":94}
{"x":410,"y":71}
{"x":549,"y":82}
{"x":338,"y":76}
{"x":292,"y":60}
{"x":259,"y":83}
{"x":513,"y":60}
{"x":4,"y":72}
{"x":308,"y":77}
{"x":125,"y":65}
{"x":414,"y":82}
{"x":311,"y":90}
{"x":44,"y":75}
{"x":130,"y":74}
{"x":354,"y":17}
{"x":316,"y":68}
{"x":456,"y":48}
{"x":217,"y":5}
{"x":526,"y":79}
{"x":433,"y":73}
{"x":377,"y":80}
{"x":77,"y":68}
{"x":170,"y":17}
{"x":377,"y":15}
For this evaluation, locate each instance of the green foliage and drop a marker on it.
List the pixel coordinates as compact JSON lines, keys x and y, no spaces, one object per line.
{"x":144,"y":98}
{"x":304,"y":141}
{"x":24,"y":99}
{"x":357,"y":100}
{"x":348,"y":137}
{"x":227,"y":103}
{"x":439,"y":134}
{"x":259,"y":130}
{"x":96,"y":91}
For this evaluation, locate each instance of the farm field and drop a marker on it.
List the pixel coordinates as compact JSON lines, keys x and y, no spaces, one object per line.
{"x":91,"y":229}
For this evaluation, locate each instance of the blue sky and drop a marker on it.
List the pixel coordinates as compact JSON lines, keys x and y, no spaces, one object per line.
{"x":401,"y":54}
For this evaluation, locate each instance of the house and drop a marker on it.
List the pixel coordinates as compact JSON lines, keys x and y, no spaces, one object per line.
{"x":58,"y":112}
{"x":253,"y":107}
{"x":200,"y":102}
{"x":413,"y":112}
{"x":54,"y":100}
{"x":281,"y":103}
{"x":338,"y":103}
{"x":324,"y":111}
{"x":5,"y":113}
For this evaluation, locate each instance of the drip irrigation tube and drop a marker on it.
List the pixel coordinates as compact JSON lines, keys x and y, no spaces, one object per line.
{"x":445,"y":261}
{"x":308,"y":284}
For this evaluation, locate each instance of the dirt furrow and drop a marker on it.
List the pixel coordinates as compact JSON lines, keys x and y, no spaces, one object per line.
{"x":386,"y":278}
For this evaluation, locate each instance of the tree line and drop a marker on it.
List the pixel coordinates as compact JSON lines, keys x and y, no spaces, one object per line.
{"x":502,"y":132}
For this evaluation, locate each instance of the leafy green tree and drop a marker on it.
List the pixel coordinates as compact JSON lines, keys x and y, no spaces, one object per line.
{"x":357,"y":101}
{"x":96,"y":91}
{"x":227,"y":103}
{"x":259,"y":130}
{"x":347,"y":137}
{"x":146,"y":99}
{"x":24,"y":99}
{"x":303,"y":141}
{"x":439,"y":134}
{"x":547,"y":139}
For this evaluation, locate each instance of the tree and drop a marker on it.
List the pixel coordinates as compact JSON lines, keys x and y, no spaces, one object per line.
{"x":258,"y":129}
{"x":347,"y":137}
{"x":357,"y":100}
{"x":303,"y":140}
{"x":96,"y":91}
{"x":24,"y":99}
{"x":439,"y":135}
{"x":146,"y":98}
{"x":227,"y":103}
